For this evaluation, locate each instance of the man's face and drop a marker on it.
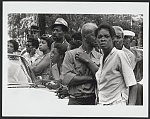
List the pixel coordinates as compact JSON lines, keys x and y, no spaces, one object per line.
{"x":91,"y":39}
{"x":127,"y":41}
{"x":58,"y":33}
{"x":35,"y":34}
{"x":118,"y":40}
{"x":104,"y":39}
{"x":29,"y":46}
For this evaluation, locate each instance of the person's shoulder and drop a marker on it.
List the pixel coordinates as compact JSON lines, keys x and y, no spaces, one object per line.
{"x":73,"y":51}
{"x":120,"y":53}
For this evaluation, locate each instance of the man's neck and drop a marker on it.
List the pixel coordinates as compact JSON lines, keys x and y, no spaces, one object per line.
{"x":107,"y":51}
{"x":61,"y":40}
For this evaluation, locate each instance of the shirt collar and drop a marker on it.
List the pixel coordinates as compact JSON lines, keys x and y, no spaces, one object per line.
{"x":112,"y":51}
{"x":93,"y":52}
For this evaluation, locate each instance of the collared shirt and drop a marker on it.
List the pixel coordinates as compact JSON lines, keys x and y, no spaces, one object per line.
{"x":131,"y":56}
{"x":64,"y":42}
{"x":30,"y":59}
{"x":51,"y":55}
{"x":114,"y":77}
{"x":72,"y":67}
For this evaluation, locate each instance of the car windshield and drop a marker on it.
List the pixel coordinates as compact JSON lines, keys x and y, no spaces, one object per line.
{"x":19,"y":63}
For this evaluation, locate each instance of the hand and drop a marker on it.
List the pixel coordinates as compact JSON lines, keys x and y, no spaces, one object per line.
{"x":32,"y":52}
{"x":83,"y":57}
{"x":62,"y":92}
{"x":52,"y":85}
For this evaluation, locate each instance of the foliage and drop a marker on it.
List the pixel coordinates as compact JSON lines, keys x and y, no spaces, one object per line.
{"x":19,"y":23}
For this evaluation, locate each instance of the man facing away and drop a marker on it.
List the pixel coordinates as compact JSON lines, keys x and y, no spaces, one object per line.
{"x":77,"y":76}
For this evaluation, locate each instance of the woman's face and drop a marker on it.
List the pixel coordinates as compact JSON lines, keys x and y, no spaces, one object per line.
{"x":43,"y":45}
{"x":10,"y":48}
{"x":104,"y":39}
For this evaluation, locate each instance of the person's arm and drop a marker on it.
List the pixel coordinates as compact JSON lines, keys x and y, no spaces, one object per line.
{"x":132,"y":95}
{"x":129,"y":78}
{"x":42,"y":65}
{"x":78,"y":80}
{"x":83,"y":57}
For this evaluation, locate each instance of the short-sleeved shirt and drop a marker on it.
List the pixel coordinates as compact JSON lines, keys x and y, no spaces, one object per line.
{"x":131,"y":56}
{"x":72,"y":67}
{"x":114,"y":77}
{"x":45,"y":73}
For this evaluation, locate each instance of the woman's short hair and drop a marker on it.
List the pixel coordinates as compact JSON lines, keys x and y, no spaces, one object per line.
{"x":105,"y":26}
{"x":15,"y":44}
{"x":49,"y":40}
{"x":61,"y":48}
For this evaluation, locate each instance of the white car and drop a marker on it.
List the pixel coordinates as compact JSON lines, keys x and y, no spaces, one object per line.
{"x":28,"y":99}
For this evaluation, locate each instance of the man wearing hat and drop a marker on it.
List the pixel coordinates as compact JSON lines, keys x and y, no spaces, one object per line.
{"x":138,"y":70}
{"x":128,"y":35}
{"x":59,"y":29}
{"x":119,"y":44}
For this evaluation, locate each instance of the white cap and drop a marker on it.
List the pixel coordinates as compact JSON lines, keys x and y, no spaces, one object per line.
{"x":128,"y":33}
{"x":60,"y":21}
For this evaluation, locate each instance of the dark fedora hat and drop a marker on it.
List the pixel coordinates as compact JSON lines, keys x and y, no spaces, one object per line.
{"x":60,"y":22}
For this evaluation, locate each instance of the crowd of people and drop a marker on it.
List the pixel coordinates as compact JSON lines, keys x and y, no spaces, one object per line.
{"x":96,"y":66}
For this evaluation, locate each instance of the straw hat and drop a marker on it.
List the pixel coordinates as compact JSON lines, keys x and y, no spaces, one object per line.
{"x":61,"y":22}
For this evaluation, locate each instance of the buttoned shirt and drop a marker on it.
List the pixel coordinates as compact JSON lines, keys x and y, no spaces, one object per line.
{"x":72,"y":67}
{"x":114,"y":77}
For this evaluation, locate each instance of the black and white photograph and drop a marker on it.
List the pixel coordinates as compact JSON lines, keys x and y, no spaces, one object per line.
{"x":75,"y":59}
